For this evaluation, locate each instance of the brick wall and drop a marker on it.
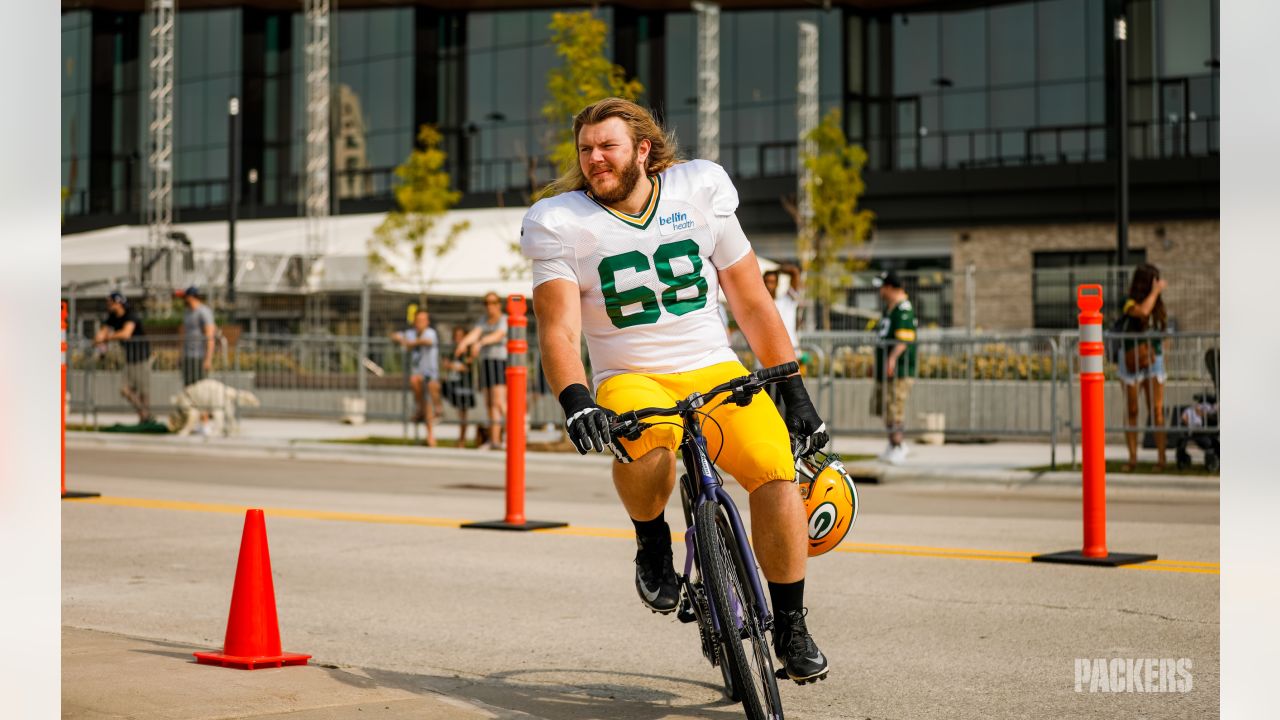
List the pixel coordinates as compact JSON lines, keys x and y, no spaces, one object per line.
{"x":1186,"y":251}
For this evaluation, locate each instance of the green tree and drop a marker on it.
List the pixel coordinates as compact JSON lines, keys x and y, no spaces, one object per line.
{"x":825,"y":245}
{"x":423,"y":196}
{"x":584,"y":77}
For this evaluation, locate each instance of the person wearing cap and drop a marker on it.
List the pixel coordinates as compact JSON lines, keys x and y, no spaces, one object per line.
{"x":895,"y":363}
{"x":198,"y":329}
{"x":123,"y":325}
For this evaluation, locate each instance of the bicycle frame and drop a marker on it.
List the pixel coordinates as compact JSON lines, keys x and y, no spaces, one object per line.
{"x":693,"y":451}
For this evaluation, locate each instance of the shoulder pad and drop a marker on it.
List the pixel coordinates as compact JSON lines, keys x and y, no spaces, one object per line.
{"x":709,"y":180}
{"x":542,"y":229}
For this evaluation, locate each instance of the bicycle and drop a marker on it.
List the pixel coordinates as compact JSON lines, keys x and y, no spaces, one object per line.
{"x":725,"y":598}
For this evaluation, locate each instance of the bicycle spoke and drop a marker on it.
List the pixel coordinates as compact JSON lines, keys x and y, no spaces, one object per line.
{"x":744,"y":647}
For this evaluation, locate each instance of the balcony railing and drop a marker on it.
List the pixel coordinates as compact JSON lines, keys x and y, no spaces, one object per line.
{"x":921,"y":150}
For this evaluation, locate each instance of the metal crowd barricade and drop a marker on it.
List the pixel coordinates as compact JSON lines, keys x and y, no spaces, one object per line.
{"x":1188,"y":383}
{"x":984,"y":386}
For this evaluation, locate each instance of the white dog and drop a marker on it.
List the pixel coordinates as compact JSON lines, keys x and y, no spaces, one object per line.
{"x":215,"y":398}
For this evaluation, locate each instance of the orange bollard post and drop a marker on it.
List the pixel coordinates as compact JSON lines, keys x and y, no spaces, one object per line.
{"x":62,"y":411}
{"x":517,"y":387}
{"x":1093,"y":442}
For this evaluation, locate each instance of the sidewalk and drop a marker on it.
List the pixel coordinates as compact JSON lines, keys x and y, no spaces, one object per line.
{"x":113,"y":676}
{"x":1003,"y":463}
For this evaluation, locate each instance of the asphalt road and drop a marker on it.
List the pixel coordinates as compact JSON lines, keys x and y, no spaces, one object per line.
{"x":929,"y":610}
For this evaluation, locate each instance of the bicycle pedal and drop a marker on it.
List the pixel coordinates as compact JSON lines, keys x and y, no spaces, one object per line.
{"x":781,"y":674}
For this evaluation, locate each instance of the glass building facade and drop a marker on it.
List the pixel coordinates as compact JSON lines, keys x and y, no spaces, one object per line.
{"x":507,"y":58}
{"x":77,"y":34}
{"x":208,"y":48}
{"x":1008,"y":84}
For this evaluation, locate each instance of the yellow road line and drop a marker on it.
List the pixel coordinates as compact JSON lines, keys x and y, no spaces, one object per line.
{"x":869,"y":547}
{"x":1184,"y":566}
{"x":1192,"y":563}
{"x":276,"y":512}
{"x":950,"y":555}
{"x":1168,"y":568}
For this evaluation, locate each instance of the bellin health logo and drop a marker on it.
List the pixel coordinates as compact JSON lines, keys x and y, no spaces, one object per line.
{"x":1144,"y":675}
{"x":673,"y":222}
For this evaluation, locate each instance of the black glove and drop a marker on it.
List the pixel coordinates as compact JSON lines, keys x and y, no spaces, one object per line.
{"x":806,"y":428}
{"x":588,"y":423}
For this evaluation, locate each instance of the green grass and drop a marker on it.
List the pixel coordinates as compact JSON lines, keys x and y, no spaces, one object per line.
{"x":154,"y":428}
{"x":1142,"y":468}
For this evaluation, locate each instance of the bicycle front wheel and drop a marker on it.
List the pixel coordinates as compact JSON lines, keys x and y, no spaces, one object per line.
{"x":744,"y":649}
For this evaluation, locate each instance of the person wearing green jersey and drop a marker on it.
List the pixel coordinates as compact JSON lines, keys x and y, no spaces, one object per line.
{"x":895,"y":363}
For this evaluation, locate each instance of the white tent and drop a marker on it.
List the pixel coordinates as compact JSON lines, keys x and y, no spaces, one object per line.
{"x":483,"y":259}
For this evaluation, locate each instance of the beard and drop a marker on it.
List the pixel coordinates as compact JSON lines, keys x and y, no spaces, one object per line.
{"x":628,"y":175}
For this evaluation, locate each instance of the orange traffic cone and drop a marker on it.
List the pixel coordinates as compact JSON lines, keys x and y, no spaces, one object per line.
{"x":253,"y":632}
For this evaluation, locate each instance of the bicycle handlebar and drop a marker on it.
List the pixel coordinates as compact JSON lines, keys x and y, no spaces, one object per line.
{"x":777,"y":371}
{"x":628,"y":424}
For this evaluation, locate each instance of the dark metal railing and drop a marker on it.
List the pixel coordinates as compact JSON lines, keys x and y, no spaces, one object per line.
{"x":920,"y":150}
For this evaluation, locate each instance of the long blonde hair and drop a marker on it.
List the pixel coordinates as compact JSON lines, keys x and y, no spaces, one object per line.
{"x":640,"y":124}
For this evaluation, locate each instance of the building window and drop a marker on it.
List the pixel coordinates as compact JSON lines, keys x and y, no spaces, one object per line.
{"x":268,"y":150}
{"x":1057,"y":274}
{"x":77,"y":36}
{"x":1173,"y":78}
{"x":508,"y":57}
{"x":207,"y":76}
{"x":1011,"y":84}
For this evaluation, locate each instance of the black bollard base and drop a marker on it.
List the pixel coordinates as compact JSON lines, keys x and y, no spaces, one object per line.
{"x":74,"y":495}
{"x":1077,"y":557}
{"x":504,"y":525}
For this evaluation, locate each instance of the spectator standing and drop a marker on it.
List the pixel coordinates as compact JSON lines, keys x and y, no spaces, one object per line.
{"x":459,"y":384}
{"x":123,"y":325}
{"x":198,"y":330}
{"x":895,"y":364}
{"x":1141,"y":361}
{"x":788,"y":304}
{"x":487,"y":342}
{"x":424,"y":370}
{"x":788,"y":301}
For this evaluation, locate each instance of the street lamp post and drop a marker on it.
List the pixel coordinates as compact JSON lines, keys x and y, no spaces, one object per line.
{"x":233,"y":195}
{"x":1122,"y":143}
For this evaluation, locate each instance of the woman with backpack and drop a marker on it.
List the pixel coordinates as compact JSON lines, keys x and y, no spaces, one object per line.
{"x":1140,"y":364}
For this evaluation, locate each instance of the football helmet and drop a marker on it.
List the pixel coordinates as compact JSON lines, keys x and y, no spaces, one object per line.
{"x":830,"y":500}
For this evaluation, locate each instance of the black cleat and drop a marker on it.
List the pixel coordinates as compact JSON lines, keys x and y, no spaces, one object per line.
{"x":802,"y":661}
{"x":656,"y":581}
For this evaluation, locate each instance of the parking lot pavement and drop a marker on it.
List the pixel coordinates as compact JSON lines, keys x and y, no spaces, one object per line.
{"x":929,"y":610}
{"x":105,"y":675}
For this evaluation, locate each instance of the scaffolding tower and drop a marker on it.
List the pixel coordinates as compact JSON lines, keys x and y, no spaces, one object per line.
{"x":806,"y":116}
{"x":151,"y":274}
{"x":316,"y":192}
{"x":708,"y":80}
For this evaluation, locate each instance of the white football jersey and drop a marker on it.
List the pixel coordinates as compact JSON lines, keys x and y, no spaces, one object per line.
{"x":649,"y":283}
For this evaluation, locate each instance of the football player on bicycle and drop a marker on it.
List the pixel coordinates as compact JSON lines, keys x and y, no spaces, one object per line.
{"x":633,"y":250}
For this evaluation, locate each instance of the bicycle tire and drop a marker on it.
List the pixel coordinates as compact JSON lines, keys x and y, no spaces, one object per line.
{"x":764,"y":672}
{"x":723,"y":572}
{"x":704,"y":620}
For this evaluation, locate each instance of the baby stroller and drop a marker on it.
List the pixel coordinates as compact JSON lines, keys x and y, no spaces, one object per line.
{"x":1200,"y":420}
